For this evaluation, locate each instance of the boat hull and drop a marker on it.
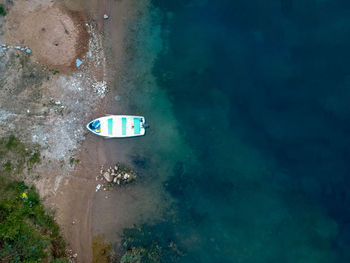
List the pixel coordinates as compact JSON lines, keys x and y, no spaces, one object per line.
{"x":118,"y":126}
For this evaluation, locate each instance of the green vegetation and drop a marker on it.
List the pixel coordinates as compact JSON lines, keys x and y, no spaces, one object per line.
{"x":2,"y":11}
{"x":56,"y":72}
{"x":149,"y":244}
{"x":27,"y":232}
{"x":73,"y":161}
{"x":14,"y":156}
{"x":100,"y":250}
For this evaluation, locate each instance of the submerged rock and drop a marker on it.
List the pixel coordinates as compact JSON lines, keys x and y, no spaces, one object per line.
{"x":119,"y":174}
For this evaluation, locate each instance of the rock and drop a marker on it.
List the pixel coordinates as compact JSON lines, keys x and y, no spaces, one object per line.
{"x":126,"y":176}
{"x":75,"y":255}
{"x":119,"y":176}
{"x":115,"y":180}
{"x":101,"y":171}
{"x":108,"y":177}
{"x":116,"y":168}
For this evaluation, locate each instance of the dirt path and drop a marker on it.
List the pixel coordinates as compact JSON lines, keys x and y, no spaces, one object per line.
{"x":74,"y":199}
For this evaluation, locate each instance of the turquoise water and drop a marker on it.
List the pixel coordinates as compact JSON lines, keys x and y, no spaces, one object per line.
{"x":248,"y":103}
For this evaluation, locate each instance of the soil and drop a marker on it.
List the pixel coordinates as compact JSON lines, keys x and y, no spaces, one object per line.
{"x":57,"y":36}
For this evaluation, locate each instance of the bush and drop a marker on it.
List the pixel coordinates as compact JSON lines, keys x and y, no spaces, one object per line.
{"x":2,"y":11}
{"x":27,"y":233}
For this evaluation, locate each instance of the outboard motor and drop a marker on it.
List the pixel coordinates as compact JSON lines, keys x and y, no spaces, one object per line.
{"x":145,"y":125}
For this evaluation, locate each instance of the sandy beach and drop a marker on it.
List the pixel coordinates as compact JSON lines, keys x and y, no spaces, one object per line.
{"x":81,"y":211}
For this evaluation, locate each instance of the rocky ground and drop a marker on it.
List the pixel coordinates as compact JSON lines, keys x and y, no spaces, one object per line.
{"x":46,"y":100}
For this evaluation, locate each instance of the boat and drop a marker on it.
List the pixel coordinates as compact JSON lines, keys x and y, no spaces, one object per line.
{"x":118,"y":126}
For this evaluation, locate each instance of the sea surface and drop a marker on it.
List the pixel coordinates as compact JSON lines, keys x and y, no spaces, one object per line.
{"x":258,"y":93}
{"x":247,"y":155}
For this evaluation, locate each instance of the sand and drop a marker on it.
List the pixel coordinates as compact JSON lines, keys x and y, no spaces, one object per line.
{"x":57,"y":36}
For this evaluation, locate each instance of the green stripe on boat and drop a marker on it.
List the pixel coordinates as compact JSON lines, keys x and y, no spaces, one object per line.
{"x":110,"y":126}
{"x":137,"y":126}
{"x":123,"y":126}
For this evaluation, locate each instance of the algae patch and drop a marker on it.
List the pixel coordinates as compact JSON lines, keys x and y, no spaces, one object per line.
{"x":101,"y":250}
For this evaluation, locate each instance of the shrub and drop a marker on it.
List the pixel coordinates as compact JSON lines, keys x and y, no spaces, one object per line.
{"x":27,"y":232}
{"x":2,"y":11}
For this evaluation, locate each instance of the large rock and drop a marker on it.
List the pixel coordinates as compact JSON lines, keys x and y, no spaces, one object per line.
{"x":108,"y":177}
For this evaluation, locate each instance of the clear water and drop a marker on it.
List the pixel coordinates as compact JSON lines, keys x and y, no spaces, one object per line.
{"x":258,"y":93}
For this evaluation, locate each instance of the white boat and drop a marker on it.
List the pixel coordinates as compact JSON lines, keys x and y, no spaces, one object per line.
{"x":118,"y":126}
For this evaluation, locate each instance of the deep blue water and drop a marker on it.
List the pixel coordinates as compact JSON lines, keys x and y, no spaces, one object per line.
{"x":261,"y":92}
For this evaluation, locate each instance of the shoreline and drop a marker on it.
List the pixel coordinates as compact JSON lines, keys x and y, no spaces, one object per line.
{"x":76,"y":220}
{"x":68,"y":187}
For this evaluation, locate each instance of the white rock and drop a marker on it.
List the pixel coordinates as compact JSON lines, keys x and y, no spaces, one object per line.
{"x":108,"y":177}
